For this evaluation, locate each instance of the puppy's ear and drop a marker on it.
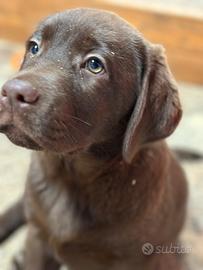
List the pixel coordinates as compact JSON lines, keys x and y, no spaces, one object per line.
{"x":157,"y":110}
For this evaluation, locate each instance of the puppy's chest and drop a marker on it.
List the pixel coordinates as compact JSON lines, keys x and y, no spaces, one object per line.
{"x":54,"y":210}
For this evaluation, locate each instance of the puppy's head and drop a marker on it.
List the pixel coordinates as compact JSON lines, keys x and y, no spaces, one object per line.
{"x":89,"y":77}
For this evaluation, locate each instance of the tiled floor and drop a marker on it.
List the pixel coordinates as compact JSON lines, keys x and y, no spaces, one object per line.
{"x":14,"y":163}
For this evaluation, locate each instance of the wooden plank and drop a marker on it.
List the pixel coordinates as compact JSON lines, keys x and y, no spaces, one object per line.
{"x":180,"y":7}
{"x":181,"y":36}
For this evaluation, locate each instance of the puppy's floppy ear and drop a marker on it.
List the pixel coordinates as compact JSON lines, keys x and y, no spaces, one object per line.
{"x":157,"y":110}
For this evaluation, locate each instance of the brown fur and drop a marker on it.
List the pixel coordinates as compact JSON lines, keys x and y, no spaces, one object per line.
{"x":104,"y":182}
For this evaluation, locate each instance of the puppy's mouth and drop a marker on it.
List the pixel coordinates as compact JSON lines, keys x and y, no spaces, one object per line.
{"x":30,"y":132}
{"x":18,"y":138}
{"x":35,"y":128}
{"x":10,"y":127}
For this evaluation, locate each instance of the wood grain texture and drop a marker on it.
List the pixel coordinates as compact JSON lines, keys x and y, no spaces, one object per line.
{"x":181,"y":36}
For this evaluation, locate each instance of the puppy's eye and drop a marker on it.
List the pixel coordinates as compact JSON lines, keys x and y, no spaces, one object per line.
{"x":33,"y":47}
{"x":94,"y":65}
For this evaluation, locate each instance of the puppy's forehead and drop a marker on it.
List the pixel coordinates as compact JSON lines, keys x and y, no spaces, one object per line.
{"x":100,"y":25}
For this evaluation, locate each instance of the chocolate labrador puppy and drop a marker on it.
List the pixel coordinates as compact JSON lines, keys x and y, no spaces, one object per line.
{"x":96,"y":100}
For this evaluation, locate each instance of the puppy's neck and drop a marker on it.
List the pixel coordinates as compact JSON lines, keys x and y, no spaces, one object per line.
{"x":88,"y":164}
{"x":85,"y":167}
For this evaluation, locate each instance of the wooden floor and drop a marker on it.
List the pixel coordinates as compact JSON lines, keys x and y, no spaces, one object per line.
{"x":191,"y":8}
{"x":177,"y":24}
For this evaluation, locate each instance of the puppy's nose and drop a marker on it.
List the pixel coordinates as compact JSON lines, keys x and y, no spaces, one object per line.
{"x":20,"y":92}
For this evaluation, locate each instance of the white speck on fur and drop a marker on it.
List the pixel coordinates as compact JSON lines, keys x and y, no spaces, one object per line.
{"x":133,"y":182}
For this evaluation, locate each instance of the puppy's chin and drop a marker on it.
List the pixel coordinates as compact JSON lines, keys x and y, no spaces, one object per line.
{"x":16,"y":136}
{"x":20,"y":139}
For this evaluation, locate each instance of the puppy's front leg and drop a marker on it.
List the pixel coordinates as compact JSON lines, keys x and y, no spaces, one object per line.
{"x":11,"y":220}
{"x":36,"y":256}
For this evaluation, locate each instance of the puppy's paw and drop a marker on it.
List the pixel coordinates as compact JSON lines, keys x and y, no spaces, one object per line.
{"x":18,"y":261}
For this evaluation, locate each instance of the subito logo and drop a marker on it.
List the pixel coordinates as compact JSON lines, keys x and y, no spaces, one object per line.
{"x":147,"y":249}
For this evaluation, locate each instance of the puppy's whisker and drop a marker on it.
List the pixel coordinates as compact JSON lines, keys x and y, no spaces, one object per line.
{"x":67,"y":132}
{"x":80,"y":120}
